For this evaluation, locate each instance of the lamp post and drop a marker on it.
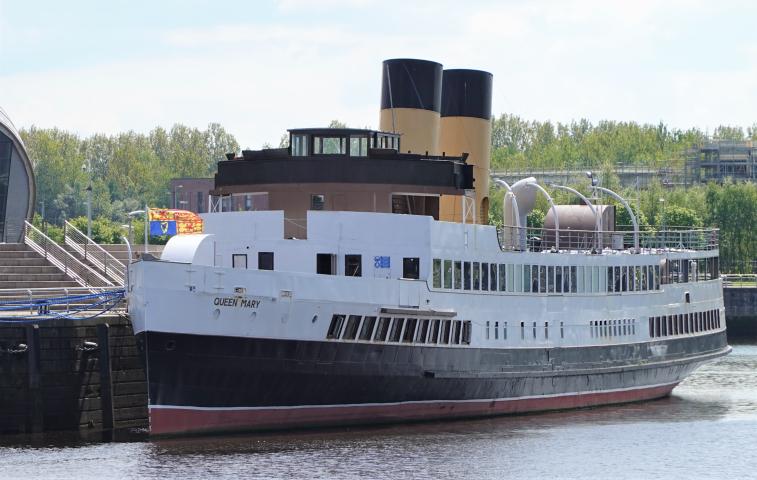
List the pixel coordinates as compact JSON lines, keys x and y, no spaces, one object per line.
{"x":87,"y":167}
{"x":597,"y":217}
{"x":132,"y":215}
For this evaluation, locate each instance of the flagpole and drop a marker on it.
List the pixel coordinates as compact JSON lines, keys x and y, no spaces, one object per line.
{"x":147,"y":226}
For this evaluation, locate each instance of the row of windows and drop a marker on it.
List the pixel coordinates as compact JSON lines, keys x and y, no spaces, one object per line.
{"x":399,"y":330}
{"x":683,"y":323}
{"x":482,"y":276}
{"x":690,"y":270}
{"x":531,"y":330}
{"x":338,"y":145}
{"x":612,"y":328}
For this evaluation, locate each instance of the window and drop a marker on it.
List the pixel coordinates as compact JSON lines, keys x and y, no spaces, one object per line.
{"x":353,"y":265}
{"x":434,"y":336}
{"x":466,"y":275}
{"x":239,"y":260}
{"x":466,"y":332}
{"x":335,"y":328}
{"x":329,"y":145}
{"x":456,"y":332}
{"x":502,"y":278}
{"x":317,"y":201}
{"x":556,"y":286}
{"x":493,"y":277}
{"x":484,"y":276}
{"x":367,"y":329}
{"x":299,"y":145}
{"x":382,"y":329}
{"x":448,"y":274}
{"x":476,"y":275}
{"x":543,"y":279}
{"x":409,"y":334}
{"x":496,"y":330}
{"x":350,"y":332}
{"x":423,"y":331}
{"x":437,"y":273}
{"x":458,"y":276}
{"x":446,"y":330}
{"x":358,"y":146}
{"x":265,"y":260}
{"x":573,"y":279}
{"x":200,"y":203}
{"x":504,"y":331}
{"x":411,"y":268}
{"x":325,"y":264}
{"x":487,"y":329}
{"x":396,"y":331}
{"x":247,"y":203}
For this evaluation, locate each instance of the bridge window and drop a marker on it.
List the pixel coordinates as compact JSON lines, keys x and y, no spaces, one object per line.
{"x":358,"y":146}
{"x":329,"y":145}
{"x":299,"y":145}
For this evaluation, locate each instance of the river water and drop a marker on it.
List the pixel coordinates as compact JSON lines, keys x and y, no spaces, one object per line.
{"x":706,"y":429}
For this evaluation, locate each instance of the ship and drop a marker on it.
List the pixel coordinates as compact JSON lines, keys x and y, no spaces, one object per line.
{"x":363,"y":283}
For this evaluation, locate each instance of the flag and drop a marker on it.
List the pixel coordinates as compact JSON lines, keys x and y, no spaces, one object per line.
{"x":164,"y":221}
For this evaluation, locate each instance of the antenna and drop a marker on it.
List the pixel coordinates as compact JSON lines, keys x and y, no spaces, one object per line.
{"x":391,"y":101}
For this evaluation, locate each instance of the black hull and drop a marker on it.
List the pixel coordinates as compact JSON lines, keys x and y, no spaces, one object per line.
{"x":193,"y":376}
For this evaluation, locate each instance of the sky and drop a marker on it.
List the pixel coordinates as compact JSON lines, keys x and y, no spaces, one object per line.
{"x":260,"y":67}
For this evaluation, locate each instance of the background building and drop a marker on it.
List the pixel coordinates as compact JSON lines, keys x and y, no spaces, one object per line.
{"x":723,"y":159}
{"x":17,"y":188}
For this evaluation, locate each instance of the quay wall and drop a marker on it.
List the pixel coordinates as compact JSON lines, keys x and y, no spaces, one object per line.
{"x":50,"y":379}
{"x":741,"y":312}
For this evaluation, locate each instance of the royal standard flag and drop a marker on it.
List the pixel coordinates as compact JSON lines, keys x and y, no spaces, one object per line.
{"x":164,"y":221}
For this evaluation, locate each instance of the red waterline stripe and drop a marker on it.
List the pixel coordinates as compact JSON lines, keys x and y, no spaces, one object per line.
{"x":178,"y":420}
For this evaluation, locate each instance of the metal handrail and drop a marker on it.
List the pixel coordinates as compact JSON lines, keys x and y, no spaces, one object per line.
{"x":543,"y":239}
{"x":739,"y":280}
{"x":83,"y":274}
{"x":32,"y":295}
{"x":94,"y":253}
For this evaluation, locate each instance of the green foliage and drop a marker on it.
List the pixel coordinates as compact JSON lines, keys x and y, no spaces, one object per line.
{"x":104,"y":230}
{"x":733,"y":208}
{"x":518,"y":144}
{"x":675,"y":215}
{"x":128,"y":170}
{"x":535,"y":219}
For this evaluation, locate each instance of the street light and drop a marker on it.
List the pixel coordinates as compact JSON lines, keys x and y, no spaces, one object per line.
{"x":87,"y":167}
{"x":597,"y":217}
{"x":134,"y":214}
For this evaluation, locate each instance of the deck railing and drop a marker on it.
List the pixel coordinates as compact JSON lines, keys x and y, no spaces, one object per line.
{"x":94,"y":254}
{"x":83,"y":274}
{"x":543,"y":239}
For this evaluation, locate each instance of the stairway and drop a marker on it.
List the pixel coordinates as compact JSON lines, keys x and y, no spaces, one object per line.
{"x":22,"y":267}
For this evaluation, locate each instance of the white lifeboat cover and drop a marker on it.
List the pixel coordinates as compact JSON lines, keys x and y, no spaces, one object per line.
{"x":196,"y":249}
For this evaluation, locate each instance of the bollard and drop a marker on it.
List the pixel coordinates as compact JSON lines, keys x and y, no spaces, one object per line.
{"x":106,"y":379}
{"x":35,"y":408}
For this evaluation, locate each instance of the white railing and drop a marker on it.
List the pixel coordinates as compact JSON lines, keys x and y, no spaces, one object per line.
{"x":61,"y":258}
{"x":94,"y":254}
